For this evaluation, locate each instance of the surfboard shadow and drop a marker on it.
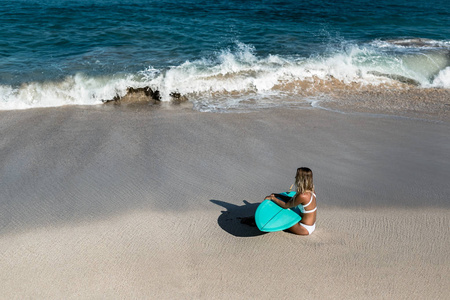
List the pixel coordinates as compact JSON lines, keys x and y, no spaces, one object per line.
{"x":230,"y":219}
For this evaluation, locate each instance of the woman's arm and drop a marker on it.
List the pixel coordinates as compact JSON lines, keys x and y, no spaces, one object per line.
{"x":285,"y":205}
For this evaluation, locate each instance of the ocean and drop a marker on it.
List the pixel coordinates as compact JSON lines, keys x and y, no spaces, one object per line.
{"x":221,"y":55}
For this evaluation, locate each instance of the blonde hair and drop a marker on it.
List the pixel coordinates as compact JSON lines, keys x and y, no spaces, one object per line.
{"x":304,"y":180}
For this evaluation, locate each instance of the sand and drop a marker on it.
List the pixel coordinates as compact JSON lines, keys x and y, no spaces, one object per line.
{"x":136,"y":203}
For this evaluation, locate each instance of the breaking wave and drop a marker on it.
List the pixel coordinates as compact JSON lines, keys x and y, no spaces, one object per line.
{"x":237,"y":75}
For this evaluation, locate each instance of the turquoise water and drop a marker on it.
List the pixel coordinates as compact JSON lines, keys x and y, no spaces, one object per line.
{"x":80,"y":52}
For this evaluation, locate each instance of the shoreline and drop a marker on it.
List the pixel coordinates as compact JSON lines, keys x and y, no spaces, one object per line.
{"x":138,"y":202}
{"x":402,"y":101}
{"x":422,"y":104}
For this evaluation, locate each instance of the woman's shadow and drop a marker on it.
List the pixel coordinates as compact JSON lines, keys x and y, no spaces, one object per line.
{"x":230,"y":219}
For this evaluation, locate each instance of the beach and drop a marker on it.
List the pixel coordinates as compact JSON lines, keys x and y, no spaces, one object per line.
{"x":137,"y":202}
{"x":135,"y":136}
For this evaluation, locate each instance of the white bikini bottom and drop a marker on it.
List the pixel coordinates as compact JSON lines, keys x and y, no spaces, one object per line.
{"x":310,"y":228}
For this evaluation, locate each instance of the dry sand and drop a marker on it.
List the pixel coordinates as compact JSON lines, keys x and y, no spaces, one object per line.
{"x":132,"y":203}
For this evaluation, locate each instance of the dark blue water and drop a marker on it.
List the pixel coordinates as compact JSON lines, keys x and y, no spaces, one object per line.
{"x":117,"y":43}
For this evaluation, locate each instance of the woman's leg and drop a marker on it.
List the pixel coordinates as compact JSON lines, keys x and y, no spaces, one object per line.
{"x":298,"y":229}
{"x":283,"y":197}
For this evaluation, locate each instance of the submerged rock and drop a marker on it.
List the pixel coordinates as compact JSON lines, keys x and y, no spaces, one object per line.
{"x":414,"y":42}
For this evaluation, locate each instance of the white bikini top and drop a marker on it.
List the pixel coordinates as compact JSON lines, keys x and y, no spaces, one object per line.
{"x":302,"y":207}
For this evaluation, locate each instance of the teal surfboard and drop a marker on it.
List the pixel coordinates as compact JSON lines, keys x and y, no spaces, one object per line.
{"x":270,"y":217}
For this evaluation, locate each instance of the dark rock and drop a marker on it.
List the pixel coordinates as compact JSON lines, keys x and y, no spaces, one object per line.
{"x":177,"y":97}
{"x":137,"y":95}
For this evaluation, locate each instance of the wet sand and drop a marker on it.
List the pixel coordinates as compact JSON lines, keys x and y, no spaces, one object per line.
{"x":114,"y":202}
{"x":421,"y":103}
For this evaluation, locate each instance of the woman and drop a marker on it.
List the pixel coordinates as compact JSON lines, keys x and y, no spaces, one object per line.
{"x":303,"y":203}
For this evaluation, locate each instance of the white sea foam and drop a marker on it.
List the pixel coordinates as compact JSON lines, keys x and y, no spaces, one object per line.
{"x":442,"y":80}
{"x":413,"y":43}
{"x":237,"y":76}
{"x":74,"y":90}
